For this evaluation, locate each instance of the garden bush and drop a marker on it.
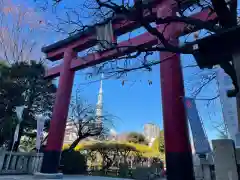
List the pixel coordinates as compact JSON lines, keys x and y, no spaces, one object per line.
{"x":73,"y":162}
{"x":123,"y":170}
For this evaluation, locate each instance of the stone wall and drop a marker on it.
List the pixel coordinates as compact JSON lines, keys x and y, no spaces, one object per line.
{"x":221,"y":164}
{"x":20,"y":163}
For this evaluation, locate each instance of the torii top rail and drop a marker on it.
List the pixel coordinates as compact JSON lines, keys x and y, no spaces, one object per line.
{"x":86,"y":39}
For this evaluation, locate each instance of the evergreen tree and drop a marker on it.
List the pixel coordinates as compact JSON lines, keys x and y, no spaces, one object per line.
{"x":136,"y":138}
{"x":24,"y":85}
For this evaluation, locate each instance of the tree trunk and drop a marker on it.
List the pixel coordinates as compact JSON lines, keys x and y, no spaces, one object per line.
{"x":107,"y":162}
{"x":75,"y":143}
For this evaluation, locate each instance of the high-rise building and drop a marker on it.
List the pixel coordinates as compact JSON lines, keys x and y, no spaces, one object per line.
{"x":151,"y":131}
{"x":70,"y":133}
{"x":229,"y":105}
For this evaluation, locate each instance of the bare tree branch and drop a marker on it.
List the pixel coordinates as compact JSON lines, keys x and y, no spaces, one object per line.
{"x":141,"y":13}
{"x":84,"y":121}
{"x":16,"y":32}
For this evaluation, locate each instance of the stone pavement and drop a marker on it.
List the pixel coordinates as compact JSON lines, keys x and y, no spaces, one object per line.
{"x":27,"y":177}
{"x":22,"y":177}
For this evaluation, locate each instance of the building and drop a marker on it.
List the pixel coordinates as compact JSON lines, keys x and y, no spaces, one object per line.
{"x":70,"y":133}
{"x":229,"y":105}
{"x":151,"y":131}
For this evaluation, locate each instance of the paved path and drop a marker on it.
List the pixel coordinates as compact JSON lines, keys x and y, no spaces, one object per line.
{"x":22,"y":177}
{"x":64,"y":178}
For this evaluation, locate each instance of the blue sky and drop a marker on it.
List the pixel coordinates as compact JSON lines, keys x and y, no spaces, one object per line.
{"x":137,"y":103}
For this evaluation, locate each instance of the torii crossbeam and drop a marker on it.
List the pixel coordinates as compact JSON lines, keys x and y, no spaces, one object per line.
{"x":177,"y":146}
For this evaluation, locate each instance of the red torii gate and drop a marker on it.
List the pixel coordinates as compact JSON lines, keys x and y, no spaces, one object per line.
{"x":177,"y":145}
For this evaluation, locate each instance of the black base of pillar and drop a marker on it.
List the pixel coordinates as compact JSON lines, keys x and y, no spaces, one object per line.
{"x":51,"y":161}
{"x":179,"y":166}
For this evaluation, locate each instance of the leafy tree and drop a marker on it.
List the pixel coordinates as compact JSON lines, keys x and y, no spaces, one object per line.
{"x":25,"y":84}
{"x":73,"y":162}
{"x":10,"y":97}
{"x":158,"y":143}
{"x":136,"y":138}
{"x":38,"y":94}
{"x":27,"y":144}
{"x":32,"y":91}
{"x":110,"y":151}
{"x":161,"y":141}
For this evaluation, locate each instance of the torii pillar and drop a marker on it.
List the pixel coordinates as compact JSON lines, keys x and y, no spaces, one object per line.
{"x":177,"y":143}
{"x":59,"y":117}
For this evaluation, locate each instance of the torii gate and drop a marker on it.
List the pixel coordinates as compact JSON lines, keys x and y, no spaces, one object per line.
{"x":177,"y":146}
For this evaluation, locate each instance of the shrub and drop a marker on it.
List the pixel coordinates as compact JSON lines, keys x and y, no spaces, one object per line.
{"x":73,"y":162}
{"x":123,"y":170}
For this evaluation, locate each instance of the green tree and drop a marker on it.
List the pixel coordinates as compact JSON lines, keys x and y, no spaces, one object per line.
{"x":161,"y":141}
{"x":73,"y":162}
{"x":110,"y":151}
{"x":10,"y":97}
{"x":38,"y":94}
{"x":136,"y":138}
{"x":158,"y":143}
{"x":29,"y":88}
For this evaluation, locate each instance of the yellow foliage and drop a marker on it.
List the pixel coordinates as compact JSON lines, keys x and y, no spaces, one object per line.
{"x":156,"y":144}
{"x":144,"y":150}
{"x":140,"y":147}
{"x":65,"y":146}
{"x":80,"y":146}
